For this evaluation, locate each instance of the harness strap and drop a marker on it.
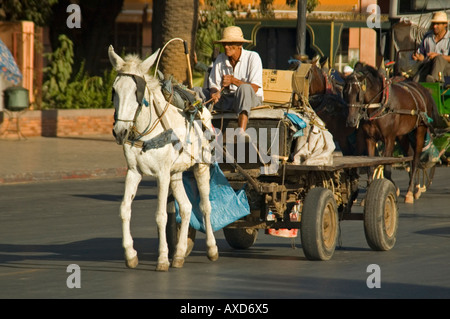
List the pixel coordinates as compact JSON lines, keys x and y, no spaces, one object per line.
{"x":384,"y":100}
{"x":328,"y":84}
{"x":421,"y":115}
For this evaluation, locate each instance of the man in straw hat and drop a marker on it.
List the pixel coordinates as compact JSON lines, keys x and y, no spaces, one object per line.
{"x":235,"y":81}
{"x":434,"y":51}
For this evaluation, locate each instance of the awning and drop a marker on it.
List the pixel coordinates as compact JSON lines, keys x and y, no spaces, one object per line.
{"x":8,"y":66}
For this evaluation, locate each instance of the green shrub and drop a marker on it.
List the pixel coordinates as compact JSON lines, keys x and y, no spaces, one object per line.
{"x":61,"y":90}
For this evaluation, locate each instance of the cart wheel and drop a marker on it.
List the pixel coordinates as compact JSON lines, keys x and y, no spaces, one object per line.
{"x":173,"y":231}
{"x":381,"y":215}
{"x":172,"y":239}
{"x":240,"y":238}
{"x":319,"y":226}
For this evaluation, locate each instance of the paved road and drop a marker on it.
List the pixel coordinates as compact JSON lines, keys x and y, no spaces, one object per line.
{"x":45,"y":227}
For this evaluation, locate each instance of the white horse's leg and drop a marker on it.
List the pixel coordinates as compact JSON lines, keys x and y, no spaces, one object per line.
{"x":185,"y":206}
{"x":202,"y":175}
{"x":131,"y":183}
{"x":161,"y":221}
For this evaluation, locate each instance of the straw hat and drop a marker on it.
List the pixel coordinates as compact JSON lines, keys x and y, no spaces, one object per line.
{"x":232,"y":34}
{"x":439,"y":17}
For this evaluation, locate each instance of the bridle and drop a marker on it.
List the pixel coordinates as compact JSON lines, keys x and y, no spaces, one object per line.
{"x":141,"y":86}
{"x":362,"y":85}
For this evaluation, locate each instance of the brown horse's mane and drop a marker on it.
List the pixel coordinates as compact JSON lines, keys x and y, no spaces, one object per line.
{"x":367,"y":69}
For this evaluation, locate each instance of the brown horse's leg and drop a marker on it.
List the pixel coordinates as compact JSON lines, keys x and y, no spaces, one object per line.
{"x":407,"y":150}
{"x":389,"y":144}
{"x":420,"y":139}
{"x":371,"y":144}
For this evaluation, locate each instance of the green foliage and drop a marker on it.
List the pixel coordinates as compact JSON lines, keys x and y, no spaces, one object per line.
{"x":353,"y":62}
{"x":310,"y":4}
{"x":62,"y":91}
{"x":38,"y":11}
{"x":211,"y":23}
{"x":265,"y":8}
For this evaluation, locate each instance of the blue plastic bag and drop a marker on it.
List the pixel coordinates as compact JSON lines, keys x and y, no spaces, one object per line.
{"x":227,"y":206}
{"x":298,"y":123}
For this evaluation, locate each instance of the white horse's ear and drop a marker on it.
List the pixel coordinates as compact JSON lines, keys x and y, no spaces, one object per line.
{"x":147,"y":63}
{"x":114,"y":58}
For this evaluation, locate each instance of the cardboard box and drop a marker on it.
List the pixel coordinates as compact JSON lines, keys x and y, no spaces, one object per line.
{"x":277,"y":86}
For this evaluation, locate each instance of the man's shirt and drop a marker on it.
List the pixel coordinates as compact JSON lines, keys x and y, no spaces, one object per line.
{"x":429,"y":44}
{"x":248,"y":69}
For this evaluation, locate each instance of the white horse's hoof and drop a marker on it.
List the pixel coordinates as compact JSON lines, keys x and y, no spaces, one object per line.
{"x":133,"y":262}
{"x":162,"y":267}
{"x":409,"y":198}
{"x":214,"y":257}
{"x":177,"y":262}
{"x":213,"y":254}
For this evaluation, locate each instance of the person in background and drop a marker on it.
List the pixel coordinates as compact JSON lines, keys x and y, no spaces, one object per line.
{"x":434,"y":51}
{"x":347,"y":70}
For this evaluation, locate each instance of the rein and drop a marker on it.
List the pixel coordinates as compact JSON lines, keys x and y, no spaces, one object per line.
{"x":370,"y":105}
{"x":384,"y":105}
{"x":141,"y":86}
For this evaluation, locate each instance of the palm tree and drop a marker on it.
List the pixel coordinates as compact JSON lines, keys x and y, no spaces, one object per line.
{"x":175,"y":19}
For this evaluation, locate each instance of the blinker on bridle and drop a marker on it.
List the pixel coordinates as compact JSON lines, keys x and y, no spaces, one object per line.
{"x":140,"y":87}
{"x":140,"y":92}
{"x":362,"y":90}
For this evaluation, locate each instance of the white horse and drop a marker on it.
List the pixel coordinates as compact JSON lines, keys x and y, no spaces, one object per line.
{"x":144,"y":116}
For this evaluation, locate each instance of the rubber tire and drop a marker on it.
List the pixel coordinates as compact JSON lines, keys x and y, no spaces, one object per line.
{"x":172,"y":239}
{"x":319,"y":224}
{"x":173,"y":230}
{"x":381,"y":215}
{"x":240,"y":238}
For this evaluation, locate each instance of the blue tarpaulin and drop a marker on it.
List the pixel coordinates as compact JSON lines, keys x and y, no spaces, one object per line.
{"x":8,"y":66}
{"x":227,"y":206}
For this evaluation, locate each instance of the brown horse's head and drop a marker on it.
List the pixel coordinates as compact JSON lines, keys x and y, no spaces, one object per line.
{"x":315,"y":75}
{"x":317,"y":80}
{"x":362,"y":87}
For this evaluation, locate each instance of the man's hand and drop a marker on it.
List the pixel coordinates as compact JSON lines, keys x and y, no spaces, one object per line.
{"x":227,"y":80}
{"x":432,"y":55}
{"x":215,"y":96}
{"x":418,"y":57}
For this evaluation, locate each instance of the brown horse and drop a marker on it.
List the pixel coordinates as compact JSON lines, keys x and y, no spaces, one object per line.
{"x":325,"y":97}
{"x":386,"y":111}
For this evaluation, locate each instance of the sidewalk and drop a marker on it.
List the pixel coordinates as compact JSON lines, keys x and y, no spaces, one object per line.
{"x":55,"y":158}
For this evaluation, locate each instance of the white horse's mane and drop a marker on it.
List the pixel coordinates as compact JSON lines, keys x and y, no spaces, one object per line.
{"x":132,"y":65}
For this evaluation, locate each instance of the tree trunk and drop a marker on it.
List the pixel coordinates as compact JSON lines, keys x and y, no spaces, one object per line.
{"x":175,"y":19}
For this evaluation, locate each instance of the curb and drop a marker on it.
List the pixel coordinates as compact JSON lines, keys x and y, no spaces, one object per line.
{"x":62,"y":175}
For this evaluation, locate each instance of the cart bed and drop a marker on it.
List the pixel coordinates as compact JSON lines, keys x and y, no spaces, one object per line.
{"x":341,"y":162}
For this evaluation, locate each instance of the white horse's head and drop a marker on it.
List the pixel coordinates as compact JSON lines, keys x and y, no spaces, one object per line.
{"x":128,"y":90}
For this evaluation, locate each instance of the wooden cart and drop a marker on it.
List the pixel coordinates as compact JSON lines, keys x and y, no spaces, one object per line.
{"x":320,"y":196}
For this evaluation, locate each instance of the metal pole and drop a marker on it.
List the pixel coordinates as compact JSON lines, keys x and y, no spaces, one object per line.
{"x":301,"y":27}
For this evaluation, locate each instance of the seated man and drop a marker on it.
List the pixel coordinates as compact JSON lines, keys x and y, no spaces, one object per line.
{"x":235,"y":81}
{"x":434,"y":51}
